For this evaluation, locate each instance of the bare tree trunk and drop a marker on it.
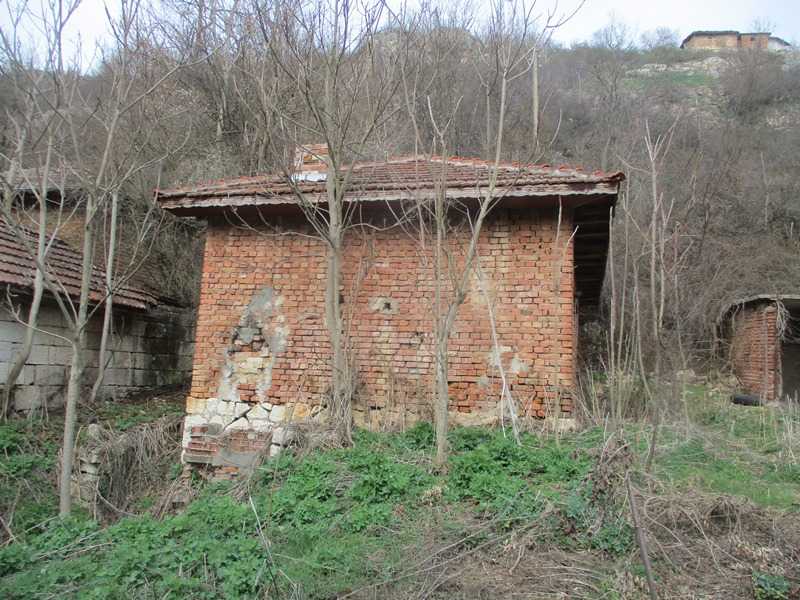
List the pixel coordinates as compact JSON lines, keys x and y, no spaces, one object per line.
{"x":535,"y":106}
{"x":442,"y":399}
{"x":77,"y":365}
{"x":70,"y":423}
{"x":38,"y":291}
{"x":109,"y":307}
{"x":341,"y":392}
{"x":488,"y":150}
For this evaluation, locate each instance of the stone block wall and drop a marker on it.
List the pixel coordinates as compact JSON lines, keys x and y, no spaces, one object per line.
{"x":756,"y":350}
{"x":148,"y":350}
{"x":262,"y":348}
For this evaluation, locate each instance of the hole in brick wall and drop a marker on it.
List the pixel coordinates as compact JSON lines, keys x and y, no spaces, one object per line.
{"x":386,"y":306}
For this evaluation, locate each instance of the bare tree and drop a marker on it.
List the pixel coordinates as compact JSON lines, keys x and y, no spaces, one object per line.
{"x":507,"y":55}
{"x":329,"y":56}
{"x":81,"y":128}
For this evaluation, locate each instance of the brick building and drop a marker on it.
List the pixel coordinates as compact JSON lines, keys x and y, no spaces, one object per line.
{"x":733,"y":40}
{"x":764,"y":335}
{"x":262,"y":353}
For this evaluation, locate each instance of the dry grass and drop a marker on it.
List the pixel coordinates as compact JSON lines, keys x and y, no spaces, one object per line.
{"x":132,"y":465}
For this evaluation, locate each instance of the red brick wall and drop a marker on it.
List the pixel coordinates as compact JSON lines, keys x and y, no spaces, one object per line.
{"x":388,"y":292}
{"x":756,"y":350}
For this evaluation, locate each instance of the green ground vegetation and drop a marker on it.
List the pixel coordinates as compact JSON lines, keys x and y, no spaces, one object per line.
{"x":366,"y":521}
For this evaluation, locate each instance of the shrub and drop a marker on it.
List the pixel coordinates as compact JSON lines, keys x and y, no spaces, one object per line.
{"x":770,"y":587}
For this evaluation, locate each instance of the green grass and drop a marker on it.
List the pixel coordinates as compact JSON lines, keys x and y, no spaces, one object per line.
{"x":28,"y":456}
{"x":738,"y":450}
{"x":330,"y":522}
{"x":334,"y":521}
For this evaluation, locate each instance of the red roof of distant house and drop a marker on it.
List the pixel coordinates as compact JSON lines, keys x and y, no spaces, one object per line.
{"x":18,"y":268}
{"x":395,"y":179}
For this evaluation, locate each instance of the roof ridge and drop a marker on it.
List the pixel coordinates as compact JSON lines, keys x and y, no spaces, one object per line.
{"x":232,"y":184}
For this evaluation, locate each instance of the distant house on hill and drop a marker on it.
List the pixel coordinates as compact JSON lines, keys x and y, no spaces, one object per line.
{"x":262,"y":353}
{"x":733,"y":40}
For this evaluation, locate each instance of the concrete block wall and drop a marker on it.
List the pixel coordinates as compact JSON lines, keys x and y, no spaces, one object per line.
{"x":262,"y":346}
{"x":148,"y":350}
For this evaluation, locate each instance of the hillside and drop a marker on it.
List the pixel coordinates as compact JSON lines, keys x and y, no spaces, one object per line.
{"x":664,"y":180}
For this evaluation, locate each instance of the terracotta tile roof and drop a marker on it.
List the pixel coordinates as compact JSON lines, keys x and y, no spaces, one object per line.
{"x":17,"y":269}
{"x":395,"y":179}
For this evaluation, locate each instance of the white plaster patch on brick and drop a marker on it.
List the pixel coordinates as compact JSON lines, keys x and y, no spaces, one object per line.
{"x":278,"y":413}
{"x":249,"y":365}
{"x":495,"y":356}
{"x":382,"y":304}
{"x":228,"y":384}
{"x":518,"y":366}
{"x":278,"y":339}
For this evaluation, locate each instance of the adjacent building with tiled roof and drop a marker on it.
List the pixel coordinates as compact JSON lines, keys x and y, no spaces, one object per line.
{"x":64,"y":267}
{"x":262,"y":352}
{"x":151,"y":341}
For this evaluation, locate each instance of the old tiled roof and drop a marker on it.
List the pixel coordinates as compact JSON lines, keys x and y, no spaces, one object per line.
{"x":394,"y":179}
{"x":17,"y":269}
{"x":418,"y":177}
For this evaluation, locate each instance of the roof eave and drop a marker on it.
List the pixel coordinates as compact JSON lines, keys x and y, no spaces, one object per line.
{"x":185,"y":203}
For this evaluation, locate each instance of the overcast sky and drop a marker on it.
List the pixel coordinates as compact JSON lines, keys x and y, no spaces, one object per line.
{"x":684,"y":16}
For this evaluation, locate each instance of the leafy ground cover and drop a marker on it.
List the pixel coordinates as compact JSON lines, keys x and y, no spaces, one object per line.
{"x":544,"y":518}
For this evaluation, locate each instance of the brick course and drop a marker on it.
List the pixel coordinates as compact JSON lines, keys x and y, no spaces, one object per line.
{"x":387,"y":291}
